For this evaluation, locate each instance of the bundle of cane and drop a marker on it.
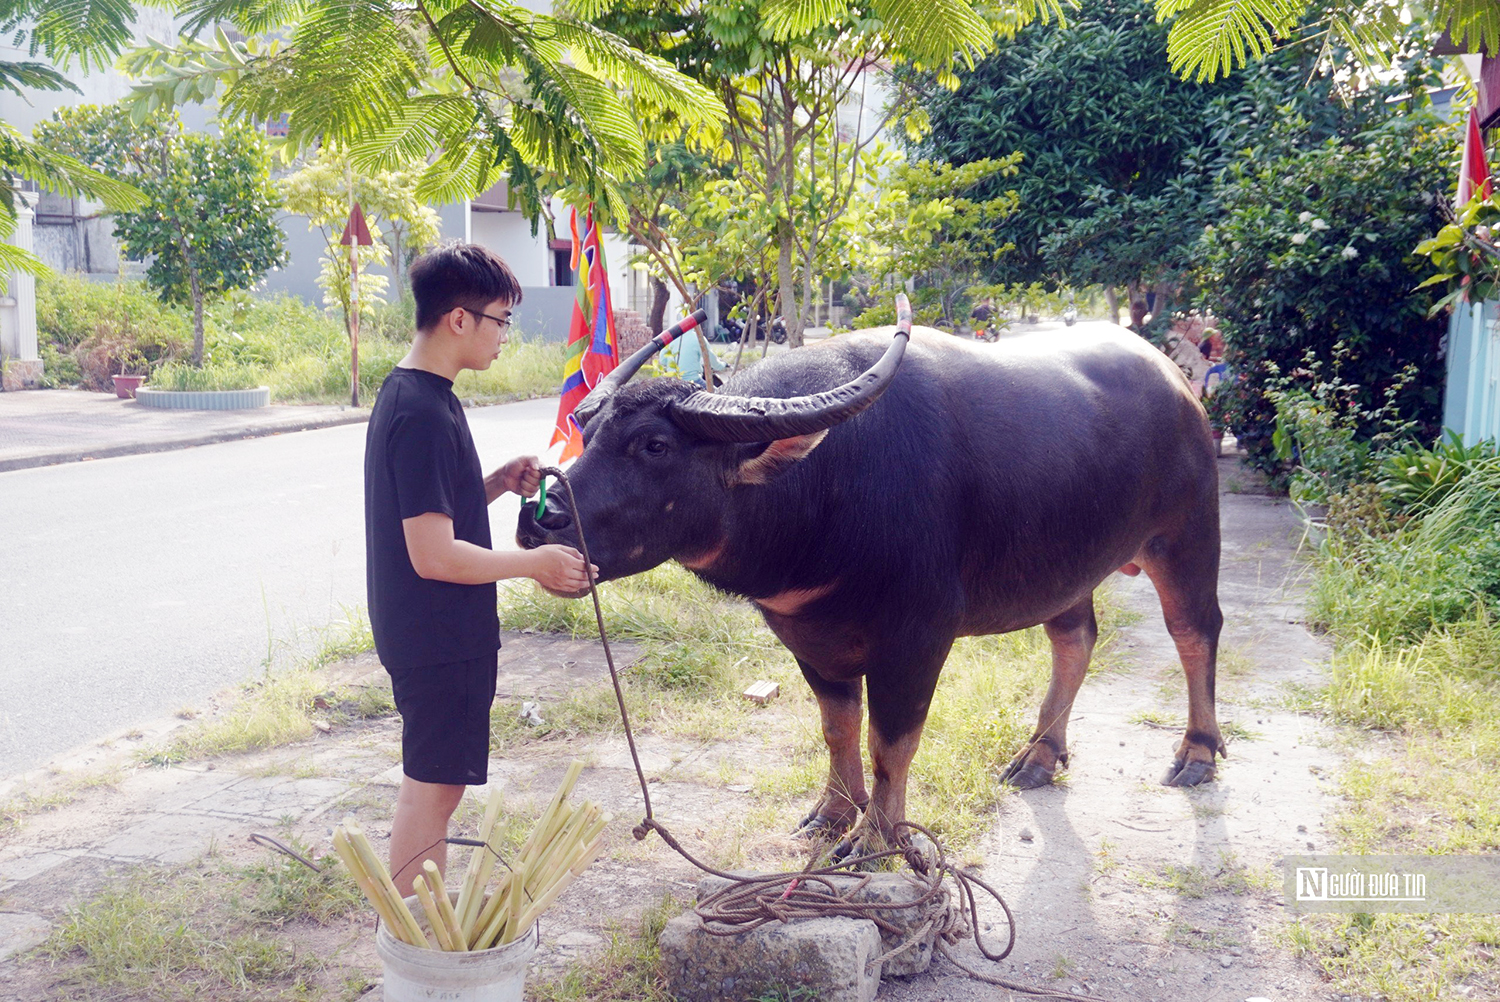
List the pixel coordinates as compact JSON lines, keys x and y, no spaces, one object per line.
{"x":564,"y":842}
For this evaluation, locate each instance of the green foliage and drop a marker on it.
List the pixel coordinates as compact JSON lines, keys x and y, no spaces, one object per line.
{"x":1465,"y":260}
{"x":1211,"y":37}
{"x":1416,"y":480}
{"x":927,"y":227}
{"x":86,"y":328}
{"x":1313,"y":257}
{"x":785,"y":68}
{"x":1114,"y":174}
{"x":207,"y":225}
{"x":400,"y":224}
{"x":475,"y":91}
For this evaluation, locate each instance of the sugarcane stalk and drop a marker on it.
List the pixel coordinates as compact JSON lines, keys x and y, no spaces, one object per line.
{"x":380,"y":875}
{"x":434,"y":917}
{"x":482,"y":932}
{"x":472,"y":889}
{"x":547,"y":822}
{"x":372,"y":891}
{"x":444,"y":905}
{"x":516,"y":905}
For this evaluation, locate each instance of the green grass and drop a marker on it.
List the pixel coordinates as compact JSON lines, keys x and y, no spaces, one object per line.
{"x":628,"y":971}
{"x":281,"y":706}
{"x":1192,"y":882}
{"x":301,"y":352}
{"x":1417,"y":658}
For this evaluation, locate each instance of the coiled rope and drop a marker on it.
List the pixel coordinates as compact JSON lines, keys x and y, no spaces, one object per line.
{"x":750,"y":902}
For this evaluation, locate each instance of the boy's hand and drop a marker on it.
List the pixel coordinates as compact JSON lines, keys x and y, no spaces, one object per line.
{"x":559,"y":569}
{"x":522,"y":475}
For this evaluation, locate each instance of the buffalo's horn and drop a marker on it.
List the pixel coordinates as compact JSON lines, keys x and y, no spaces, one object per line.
{"x":724,"y":418}
{"x":620,"y":374}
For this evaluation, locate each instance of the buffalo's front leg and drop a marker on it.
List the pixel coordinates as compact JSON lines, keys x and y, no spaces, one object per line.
{"x":899,"y":692}
{"x":1072,"y":635}
{"x":840,"y":706}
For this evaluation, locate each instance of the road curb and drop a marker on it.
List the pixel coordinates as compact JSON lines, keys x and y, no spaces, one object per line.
{"x":167,"y":445}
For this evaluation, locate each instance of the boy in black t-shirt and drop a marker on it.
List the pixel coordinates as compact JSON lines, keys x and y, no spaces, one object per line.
{"x":430,"y":571}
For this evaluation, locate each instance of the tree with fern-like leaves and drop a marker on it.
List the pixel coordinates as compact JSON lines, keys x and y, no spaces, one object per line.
{"x":89,"y":36}
{"x":801,"y":81}
{"x":1209,"y":38}
{"x":480,"y":89}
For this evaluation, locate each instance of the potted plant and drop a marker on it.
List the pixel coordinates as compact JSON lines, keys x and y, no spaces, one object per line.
{"x":133,"y":369}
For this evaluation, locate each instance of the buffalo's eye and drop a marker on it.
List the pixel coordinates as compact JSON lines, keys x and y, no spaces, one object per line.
{"x":655,"y":447}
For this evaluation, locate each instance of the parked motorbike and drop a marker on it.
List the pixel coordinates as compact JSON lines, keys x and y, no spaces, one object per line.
{"x":1070,"y":316}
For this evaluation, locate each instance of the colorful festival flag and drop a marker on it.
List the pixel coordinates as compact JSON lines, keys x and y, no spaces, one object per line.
{"x":593,"y":347}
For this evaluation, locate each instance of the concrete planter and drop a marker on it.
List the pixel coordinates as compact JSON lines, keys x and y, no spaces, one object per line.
{"x":204,"y":400}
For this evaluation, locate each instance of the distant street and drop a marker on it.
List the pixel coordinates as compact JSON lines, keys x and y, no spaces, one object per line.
{"x":134,"y":587}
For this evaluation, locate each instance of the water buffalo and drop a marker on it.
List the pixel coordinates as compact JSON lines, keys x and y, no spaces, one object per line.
{"x":991,"y":488}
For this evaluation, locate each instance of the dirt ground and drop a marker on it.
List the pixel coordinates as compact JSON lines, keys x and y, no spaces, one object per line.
{"x":1122,"y":889}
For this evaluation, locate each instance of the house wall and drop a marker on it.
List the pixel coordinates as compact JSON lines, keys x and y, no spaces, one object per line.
{"x":1471,"y":400}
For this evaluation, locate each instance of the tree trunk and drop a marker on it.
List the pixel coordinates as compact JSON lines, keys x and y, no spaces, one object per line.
{"x":1112,"y":301}
{"x":197,"y":319}
{"x":659,"y":296}
{"x":786,"y":284}
{"x":1138,"y":309}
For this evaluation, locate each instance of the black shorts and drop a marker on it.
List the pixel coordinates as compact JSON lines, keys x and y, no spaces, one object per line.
{"x":445,"y":720}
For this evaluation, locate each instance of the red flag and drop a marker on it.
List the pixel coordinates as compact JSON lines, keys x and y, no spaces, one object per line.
{"x":593,"y":347}
{"x":1474,"y":171}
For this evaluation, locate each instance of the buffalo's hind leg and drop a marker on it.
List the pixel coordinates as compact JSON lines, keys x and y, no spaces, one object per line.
{"x":840,"y":704}
{"x":1185,"y":572}
{"x":1072,"y":635}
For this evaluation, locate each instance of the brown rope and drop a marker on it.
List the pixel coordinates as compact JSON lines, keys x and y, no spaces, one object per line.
{"x":751,"y":902}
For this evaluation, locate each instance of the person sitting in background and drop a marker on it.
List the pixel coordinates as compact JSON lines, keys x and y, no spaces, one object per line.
{"x":686,"y":356}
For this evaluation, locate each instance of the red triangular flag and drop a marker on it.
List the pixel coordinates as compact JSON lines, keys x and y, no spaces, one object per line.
{"x":1474,"y":171}
{"x":356,"y":228}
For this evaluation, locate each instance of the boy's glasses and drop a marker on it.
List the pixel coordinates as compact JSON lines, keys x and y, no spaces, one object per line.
{"x":503,"y":323}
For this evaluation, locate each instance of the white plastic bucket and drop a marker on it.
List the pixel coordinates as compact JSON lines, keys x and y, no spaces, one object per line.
{"x":413,"y":974}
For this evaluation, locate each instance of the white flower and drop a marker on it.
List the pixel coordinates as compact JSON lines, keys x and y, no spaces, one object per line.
{"x":1350,"y":253}
{"x":1318,"y":224}
{"x":1371,"y":237}
{"x":1304,"y":217}
{"x":1300,"y":238}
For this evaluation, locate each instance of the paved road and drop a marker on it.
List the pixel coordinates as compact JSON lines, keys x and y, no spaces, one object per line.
{"x":133,"y":587}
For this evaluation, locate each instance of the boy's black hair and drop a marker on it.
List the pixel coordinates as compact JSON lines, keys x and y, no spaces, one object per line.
{"x":459,"y":274}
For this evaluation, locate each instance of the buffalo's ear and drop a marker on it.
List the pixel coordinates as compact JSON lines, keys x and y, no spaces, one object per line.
{"x":759,"y":464}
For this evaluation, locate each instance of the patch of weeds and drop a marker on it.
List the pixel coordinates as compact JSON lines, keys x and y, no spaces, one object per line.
{"x":1233,"y":730}
{"x":1192,"y":882}
{"x":1061,"y":967}
{"x":15,"y":811}
{"x":781,"y":993}
{"x":1108,"y":862}
{"x":279,"y":708}
{"x":367,"y":702}
{"x":159,"y":935}
{"x":1195,"y":938}
{"x":1402,"y":958}
{"x":629,"y":969}
{"x":282,"y":890}
{"x":1160,"y":719}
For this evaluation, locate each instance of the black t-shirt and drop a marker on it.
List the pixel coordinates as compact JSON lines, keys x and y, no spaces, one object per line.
{"x":419,"y":458}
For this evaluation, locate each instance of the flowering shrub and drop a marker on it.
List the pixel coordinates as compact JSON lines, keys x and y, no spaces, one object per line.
{"x":1315,"y":254}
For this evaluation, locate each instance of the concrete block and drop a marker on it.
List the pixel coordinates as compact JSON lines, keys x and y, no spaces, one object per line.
{"x":828,"y":955}
{"x":883,"y":888}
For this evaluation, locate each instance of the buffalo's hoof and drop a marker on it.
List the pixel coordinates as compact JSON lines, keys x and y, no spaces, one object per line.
{"x":819,"y":827}
{"x":1028,"y":775}
{"x":1188,"y":774}
{"x":1029,"y":770}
